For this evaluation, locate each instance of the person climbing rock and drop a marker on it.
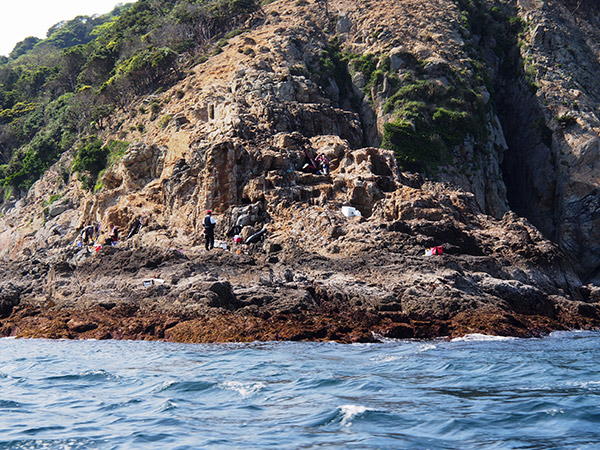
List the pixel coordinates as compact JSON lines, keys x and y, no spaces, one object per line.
{"x":209,"y":223}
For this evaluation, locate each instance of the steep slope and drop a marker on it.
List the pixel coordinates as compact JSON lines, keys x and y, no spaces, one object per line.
{"x":233,"y":136}
{"x":554,"y":133}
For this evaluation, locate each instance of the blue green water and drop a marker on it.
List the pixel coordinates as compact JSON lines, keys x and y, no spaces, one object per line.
{"x":473,"y":393}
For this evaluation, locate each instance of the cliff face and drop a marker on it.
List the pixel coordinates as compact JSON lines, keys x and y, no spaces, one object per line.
{"x":233,"y":135}
{"x":553,"y":174}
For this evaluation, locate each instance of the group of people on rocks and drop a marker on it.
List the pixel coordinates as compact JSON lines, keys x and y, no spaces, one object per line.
{"x":90,"y":234}
{"x":319,"y":166}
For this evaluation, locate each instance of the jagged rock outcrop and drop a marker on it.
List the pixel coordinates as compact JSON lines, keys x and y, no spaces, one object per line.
{"x":234,"y":135}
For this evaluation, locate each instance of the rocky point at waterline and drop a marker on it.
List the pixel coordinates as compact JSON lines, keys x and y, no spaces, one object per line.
{"x":232,"y":137}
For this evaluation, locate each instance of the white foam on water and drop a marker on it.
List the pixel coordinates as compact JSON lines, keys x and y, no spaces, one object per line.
{"x":244,"y":389}
{"x":166,"y":385}
{"x":562,"y":333}
{"x":426,"y":347}
{"x":482,"y":337}
{"x":584,"y":384}
{"x":351,"y":411}
{"x":386,"y":340}
{"x":386,"y":358}
{"x":168,"y":405}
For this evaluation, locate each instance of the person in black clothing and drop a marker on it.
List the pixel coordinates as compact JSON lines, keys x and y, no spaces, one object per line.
{"x":209,"y":230}
{"x":87,"y":235}
{"x":137,"y":225}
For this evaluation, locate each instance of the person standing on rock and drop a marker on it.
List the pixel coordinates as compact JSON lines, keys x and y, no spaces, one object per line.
{"x":137,"y":225}
{"x":209,"y":223}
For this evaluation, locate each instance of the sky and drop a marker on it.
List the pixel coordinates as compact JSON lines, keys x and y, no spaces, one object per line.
{"x":22,"y":18}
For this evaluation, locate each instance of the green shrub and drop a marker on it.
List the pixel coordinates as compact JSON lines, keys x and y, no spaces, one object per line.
{"x":57,"y":89}
{"x":566,"y":119}
{"x":116,"y":150}
{"x":451,"y":125}
{"x":99,"y":185}
{"x":154,"y":110}
{"x":234,"y":33}
{"x":366,"y":64}
{"x":415,"y":150}
{"x":333,"y":66}
{"x":91,"y":157}
{"x":52,"y":199}
{"x":90,"y":160}
{"x":164,"y":120}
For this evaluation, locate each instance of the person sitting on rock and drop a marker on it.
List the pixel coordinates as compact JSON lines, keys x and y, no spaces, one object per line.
{"x":114,"y":236}
{"x":323,"y":163}
{"x":209,"y":223}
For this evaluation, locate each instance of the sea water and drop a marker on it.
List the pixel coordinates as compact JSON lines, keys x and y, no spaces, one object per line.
{"x":471,"y":393}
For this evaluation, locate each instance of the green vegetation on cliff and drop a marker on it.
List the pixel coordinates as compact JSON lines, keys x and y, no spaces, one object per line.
{"x":63,"y":89}
{"x":433,"y":107}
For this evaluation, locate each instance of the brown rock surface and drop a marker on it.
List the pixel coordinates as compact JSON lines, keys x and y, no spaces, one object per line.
{"x":235,"y":143}
{"x":317,"y":275}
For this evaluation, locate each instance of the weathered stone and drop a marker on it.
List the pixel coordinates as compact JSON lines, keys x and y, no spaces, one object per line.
{"x":57,"y":208}
{"x":248,"y":124}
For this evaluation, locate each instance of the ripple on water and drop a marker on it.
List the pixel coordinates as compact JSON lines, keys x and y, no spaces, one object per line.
{"x":349,"y":412}
{"x":90,"y":375}
{"x":382,"y":359}
{"x":168,"y":406}
{"x":53,"y":444}
{"x":42,"y":430}
{"x":118,"y":405}
{"x":346,"y":415}
{"x":9,"y":404}
{"x":185,"y":386}
{"x":466,"y":395}
{"x":317,"y":383}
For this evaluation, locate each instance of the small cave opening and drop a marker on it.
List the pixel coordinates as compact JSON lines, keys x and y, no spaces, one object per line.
{"x":528,"y":164}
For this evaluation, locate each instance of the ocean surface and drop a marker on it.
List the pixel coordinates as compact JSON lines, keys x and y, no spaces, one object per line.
{"x":471,"y":393}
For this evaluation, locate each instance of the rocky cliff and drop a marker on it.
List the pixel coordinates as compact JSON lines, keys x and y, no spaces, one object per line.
{"x":511,"y":126}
